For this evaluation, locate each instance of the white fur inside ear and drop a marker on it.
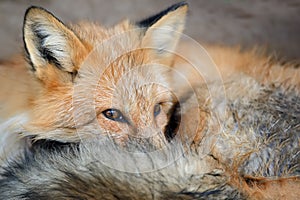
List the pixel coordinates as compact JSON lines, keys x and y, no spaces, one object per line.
{"x":165,"y":33}
{"x":55,"y":42}
{"x":165,"y":38}
{"x":47,"y":40}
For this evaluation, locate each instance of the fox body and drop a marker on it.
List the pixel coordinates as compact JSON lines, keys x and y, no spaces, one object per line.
{"x":245,"y":156}
{"x":232,"y":132}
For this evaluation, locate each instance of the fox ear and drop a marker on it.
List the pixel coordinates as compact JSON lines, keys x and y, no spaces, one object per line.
{"x":164,"y":29}
{"x":49,"y":44}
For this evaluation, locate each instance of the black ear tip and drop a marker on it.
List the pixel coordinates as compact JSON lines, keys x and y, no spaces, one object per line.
{"x":31,"y":8}
{"x":153,"y":19}
{"x":28,"y":10}
{"x":28,"y":13}
{"x":35,"y":10}
{"x":178,"y":5}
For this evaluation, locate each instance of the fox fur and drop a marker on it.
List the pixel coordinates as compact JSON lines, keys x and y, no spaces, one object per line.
{"x":232,"y":132}
{"x":248,"y":158}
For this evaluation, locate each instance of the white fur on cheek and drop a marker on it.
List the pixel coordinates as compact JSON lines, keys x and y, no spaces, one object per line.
{"x":10,"y":140}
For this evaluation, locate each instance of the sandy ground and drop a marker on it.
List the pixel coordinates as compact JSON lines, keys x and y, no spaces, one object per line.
{"x":273,"y":23}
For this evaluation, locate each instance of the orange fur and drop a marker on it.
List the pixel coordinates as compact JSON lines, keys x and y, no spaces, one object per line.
{"x":87,"y":57}
{"x":93,"y":69}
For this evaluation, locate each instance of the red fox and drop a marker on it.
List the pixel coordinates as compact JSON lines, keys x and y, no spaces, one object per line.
{"x":124,"y":74}
{"x":237,"y":117}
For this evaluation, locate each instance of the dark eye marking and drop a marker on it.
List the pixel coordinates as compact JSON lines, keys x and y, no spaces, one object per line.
{"x":157,"y":110}
{"x":115,"y":115}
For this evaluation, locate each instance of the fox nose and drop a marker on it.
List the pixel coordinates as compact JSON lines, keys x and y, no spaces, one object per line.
{"x":152,"y":135}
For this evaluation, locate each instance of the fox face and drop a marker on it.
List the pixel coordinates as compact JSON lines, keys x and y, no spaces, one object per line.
{"x":111,"y":81}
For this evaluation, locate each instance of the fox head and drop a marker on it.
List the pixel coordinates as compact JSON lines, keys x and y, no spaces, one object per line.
{"x":113,"y":80}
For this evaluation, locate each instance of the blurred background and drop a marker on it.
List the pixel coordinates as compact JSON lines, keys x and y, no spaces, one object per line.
{"x":272,"y":23}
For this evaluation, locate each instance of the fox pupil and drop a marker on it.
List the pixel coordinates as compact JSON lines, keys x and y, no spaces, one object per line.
{"x":114,"y":114}
{"x":157,"y":109}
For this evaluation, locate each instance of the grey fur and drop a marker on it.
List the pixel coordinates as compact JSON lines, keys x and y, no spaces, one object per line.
{"x":259,"y":133}
{"x":73,"y":174}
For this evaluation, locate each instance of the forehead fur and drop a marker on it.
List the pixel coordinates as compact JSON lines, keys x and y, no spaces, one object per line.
{"x":113,"y":51}
{"x":92,"y":33}
{"x":133,"y":76}
{"x":119,"y":67}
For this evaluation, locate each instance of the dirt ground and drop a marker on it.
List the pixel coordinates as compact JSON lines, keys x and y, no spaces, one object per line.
{"x":273,"y":23}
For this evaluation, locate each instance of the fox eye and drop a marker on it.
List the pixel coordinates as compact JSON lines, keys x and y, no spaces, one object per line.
{"x":157,"y":109}
{"x":114,"y":114}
